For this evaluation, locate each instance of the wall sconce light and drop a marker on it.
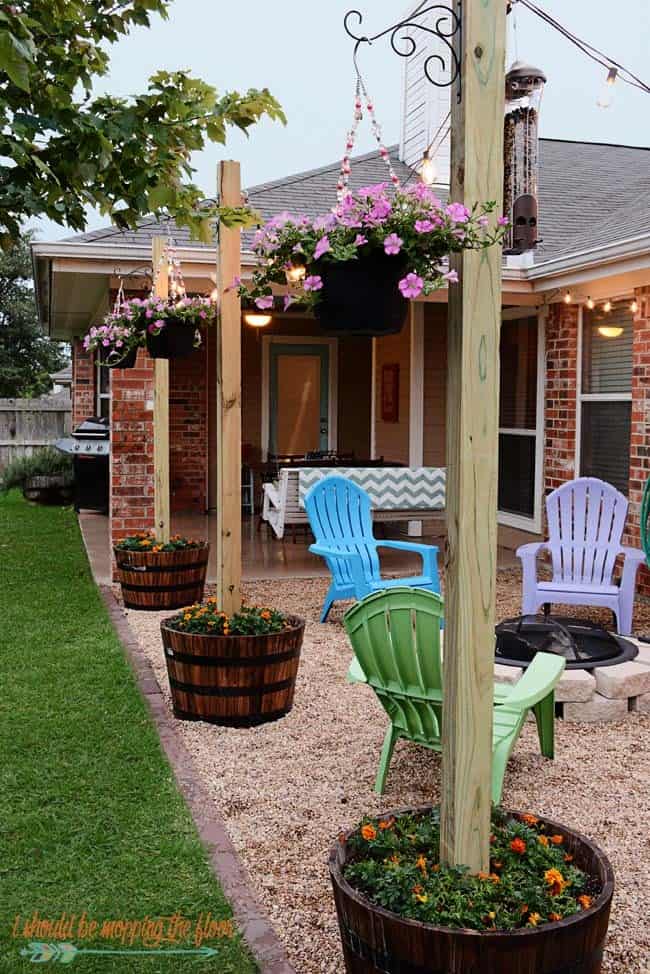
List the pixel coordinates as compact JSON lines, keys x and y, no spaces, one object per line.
{"x":257,"y":319}
{"x":610,"y":331}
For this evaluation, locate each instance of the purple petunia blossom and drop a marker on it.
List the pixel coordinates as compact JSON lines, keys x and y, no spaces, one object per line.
{"x":411,"y":285}
{"x":325,"y":222}
{"x":503,"y":221}
{"x":451,"y":276}
{"x":393,"y":244}
{"x":360,"y":240}
{"x":424,"y":226}
{"x":322,"y":247}
{"x":288,"y":301}
{"x":372,"y":191}
{"x":381,"y":209}
{"x":236,"y":282}
{"x":458,"y":213}
{"x":266,"y":301}
{"x":313,"y":283}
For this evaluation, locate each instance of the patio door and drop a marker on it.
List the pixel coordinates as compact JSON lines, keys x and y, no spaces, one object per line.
{"x":300,"y":404}
{"x":520,"y":423}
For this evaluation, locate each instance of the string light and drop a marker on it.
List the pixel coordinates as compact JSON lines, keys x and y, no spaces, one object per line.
{"x":257,"y":319}
{"x":634,"y":306}
{"x":428,"y":171}
{"x":590,"y":304}
{"x":214,"y":295}
{"x":567,"y":297}
{"x":295,"y":272}
{"x":607,"y":307}
{"x":606,"y":95}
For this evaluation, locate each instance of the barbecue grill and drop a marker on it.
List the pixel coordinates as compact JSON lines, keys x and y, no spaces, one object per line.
{"x":89,"y":445}
{"x":585,"y":645}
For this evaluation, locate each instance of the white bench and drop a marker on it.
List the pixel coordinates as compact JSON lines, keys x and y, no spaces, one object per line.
{"x":396,"y":493}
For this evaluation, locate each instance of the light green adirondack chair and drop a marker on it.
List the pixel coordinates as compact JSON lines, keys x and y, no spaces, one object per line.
{"x":395,"y":635}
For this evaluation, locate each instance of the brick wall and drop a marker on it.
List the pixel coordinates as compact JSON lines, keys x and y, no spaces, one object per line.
{"x":640,"y":426}
{"x":560,"y":395}
{"x":83,"y":383}
{"x":188,"y":434}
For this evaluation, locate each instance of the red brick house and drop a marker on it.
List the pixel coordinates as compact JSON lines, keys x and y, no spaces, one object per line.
{"x":575,"y":347}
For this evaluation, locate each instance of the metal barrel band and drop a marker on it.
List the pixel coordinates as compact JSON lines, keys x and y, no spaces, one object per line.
{"x":253,"y":721}
{"x":231,"y":691}
{"x":185,"y":587}
{"x":230,"y":660}
{"x":149,"y":569}
{"x":388,"y":964}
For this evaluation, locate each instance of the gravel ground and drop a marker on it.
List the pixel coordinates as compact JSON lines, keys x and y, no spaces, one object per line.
{"x":285,"y":790}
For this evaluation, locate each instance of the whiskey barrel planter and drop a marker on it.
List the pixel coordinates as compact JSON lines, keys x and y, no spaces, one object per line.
{"x":48,"y":489}
{"x":361,"y":297}
{"x":236,"y":681}
{"x":155,"y":580}
{"x":376,"y":940}
{"x":175,"y":340}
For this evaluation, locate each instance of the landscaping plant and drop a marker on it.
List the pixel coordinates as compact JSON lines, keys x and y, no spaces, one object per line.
{"x":532,"y":879}
{"x":251,"y":620}
{"x":412,"y":226}
{"x":46,"y":462}
{"x":146,"y":541}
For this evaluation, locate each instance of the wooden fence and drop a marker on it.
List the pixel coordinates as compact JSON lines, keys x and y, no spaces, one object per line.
{"x":27,"y":424}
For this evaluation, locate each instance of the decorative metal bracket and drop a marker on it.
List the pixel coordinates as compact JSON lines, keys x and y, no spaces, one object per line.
{"x":447,"y":28}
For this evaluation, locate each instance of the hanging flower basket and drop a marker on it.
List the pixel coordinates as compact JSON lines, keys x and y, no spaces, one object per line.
{"x":172,"y":327}
{"x":361,"y":297}
{"x":116,"y":341}
{"x":172,"y":340}
{"x":115,"y":358}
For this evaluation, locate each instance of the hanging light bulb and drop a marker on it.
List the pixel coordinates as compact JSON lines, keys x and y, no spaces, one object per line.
{"x":634,"y":306}
{"x":567,"y":297}
{"x":606,"y":95}
{"x":591,"y":304}
{"x":257,"y":319}
{"x":295,"y":271}
{"x":607,"y":307}
{"x":214,"y":295}
{"x":428,"y":172}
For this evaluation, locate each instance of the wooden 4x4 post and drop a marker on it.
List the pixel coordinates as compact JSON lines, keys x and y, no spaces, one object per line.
{"x":472,"y":444}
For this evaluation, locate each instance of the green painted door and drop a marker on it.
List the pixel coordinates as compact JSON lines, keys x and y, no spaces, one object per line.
{"x":299,"y":398}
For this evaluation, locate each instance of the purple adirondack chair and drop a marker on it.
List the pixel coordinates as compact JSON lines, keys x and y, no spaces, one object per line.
{"x":585,"y":523}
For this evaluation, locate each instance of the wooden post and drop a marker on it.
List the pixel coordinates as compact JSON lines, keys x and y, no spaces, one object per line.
{"x":472,"y":447}
{"x":229,"y":400}
{"x":161,"y":405}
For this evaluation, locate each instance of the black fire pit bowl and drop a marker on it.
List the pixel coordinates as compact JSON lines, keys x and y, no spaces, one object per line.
{"x":585,"y":645}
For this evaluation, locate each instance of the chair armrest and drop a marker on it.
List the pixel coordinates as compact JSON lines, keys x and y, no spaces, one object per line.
{"x":537,"y":682}
{"x":427,"y":552}
{"x":531,"y":550}
{"x":633,"y":554}
{"x":272,"y":493}
{"x":354,"y":561}
{"x":355,"y":673}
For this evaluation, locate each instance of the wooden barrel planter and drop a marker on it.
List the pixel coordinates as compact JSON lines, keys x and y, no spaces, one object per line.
{"x":236,"y":681}
{"x":49,"y":489}
{"x":376,"y":940}
{"x":155,"y":580}
{"x":361,"y":297}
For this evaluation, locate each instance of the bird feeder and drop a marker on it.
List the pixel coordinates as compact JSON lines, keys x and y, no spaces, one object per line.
{"x":524,"y":88}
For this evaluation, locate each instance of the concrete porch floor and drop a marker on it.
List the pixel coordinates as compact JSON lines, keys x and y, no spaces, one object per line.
{"x":265,"y":557}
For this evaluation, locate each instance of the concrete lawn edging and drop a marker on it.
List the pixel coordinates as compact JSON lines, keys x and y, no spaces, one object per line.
{"x":256,"y":929}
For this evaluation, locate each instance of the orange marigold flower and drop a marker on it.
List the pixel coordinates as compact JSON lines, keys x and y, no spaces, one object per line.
{"x":519,"y":846}
{"x":528,"y":819}
{"x":555,"y":881}
{"x":554,"y":916}
{"x":417,"y":889}
{"x":542,"y":840}
{"x":585,"y":901}
{"x":368,"y":832}
{"x":387,"y":823}
{"x":494,"y":878}
{"x":567,"y":857}
{"x":421,"y":863}
{"x":482,"y":875}
{"x":557,"y":839}
{"x":534,"y":919}
{"x":435,"y":868}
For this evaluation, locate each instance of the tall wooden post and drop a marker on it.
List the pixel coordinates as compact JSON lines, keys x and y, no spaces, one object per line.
{"x":229,"y":400}
{"x":472,"y":446}
{"x":161,"y":406}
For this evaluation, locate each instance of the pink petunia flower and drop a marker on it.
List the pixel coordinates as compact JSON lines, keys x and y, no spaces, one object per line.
{"x":458,"y":213}
{"x":451,"y":276}
{"x":313,"y":283}
{"x":288,"y":301}
{"x":322,"y":247}
{"x":393,"y":243}
{"x":236,"y":281}
{"x":360,"y":240}
{"x":266,"y":301}
{"x":424,"y":226}
{"x":503,"y":221}
{"x":411,"y":285}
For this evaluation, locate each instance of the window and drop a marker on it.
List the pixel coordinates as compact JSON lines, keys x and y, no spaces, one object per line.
{"x":606,"y":394}
{"x":103,"y":391}
{"x":518,"y":433}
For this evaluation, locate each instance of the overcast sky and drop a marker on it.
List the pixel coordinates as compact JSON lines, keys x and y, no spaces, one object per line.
{"x":298,"y":49}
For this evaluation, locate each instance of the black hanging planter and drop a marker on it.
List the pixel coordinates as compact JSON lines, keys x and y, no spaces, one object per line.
{"x":113,"y":358}
{"x":176,"y":340}
{"x":361,"y":297}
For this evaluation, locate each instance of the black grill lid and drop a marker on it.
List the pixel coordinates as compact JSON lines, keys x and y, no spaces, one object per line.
{"x":95,"y":427}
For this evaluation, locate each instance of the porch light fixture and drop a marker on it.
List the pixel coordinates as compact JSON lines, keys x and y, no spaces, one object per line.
{"x":428,"y":170}
{"x":257,"y":319}
{"x":295,"y":272}
{"x":610,"y":331}
{"x":606,"y":95}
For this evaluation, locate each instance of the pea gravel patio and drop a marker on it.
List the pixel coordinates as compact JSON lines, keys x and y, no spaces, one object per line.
{"x":285,"y":789}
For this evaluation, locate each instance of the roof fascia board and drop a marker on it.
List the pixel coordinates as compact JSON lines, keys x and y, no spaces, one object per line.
{"x":631,"y":246}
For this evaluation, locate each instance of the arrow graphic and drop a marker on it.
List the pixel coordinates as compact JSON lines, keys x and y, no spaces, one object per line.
{"x":63,"y":953}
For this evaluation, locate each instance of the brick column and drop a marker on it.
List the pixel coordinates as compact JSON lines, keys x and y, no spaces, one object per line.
{"x":560,"y":395}
{"x":131,"y":500}
{"x":188,"y":435}
{"x":83,"y":383}
{"x":640,"y":425}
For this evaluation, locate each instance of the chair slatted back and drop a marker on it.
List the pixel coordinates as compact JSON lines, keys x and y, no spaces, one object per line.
{"x":395,"y":635}
{"x":586,"y":518}
{"x":340,"y":518}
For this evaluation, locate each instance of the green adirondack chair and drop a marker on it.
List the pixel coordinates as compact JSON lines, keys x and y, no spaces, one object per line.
{"x":395,"y":635}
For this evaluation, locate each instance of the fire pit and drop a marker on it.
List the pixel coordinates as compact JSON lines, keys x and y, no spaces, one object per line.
{"x":585,"y":645}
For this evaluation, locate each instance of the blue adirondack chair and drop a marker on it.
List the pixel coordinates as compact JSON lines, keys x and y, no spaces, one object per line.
{"x":340,"y":519}
{"x":586,"y":518}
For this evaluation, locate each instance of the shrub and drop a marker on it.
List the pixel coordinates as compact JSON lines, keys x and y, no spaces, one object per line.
{"x":206,"y":619}
{"x":146,"y":541}
{"x":45,"y":462}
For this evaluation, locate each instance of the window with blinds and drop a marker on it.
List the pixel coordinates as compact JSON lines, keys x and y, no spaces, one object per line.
{"x":606,"y":394}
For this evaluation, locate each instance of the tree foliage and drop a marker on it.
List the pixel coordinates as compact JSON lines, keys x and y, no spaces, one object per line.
{"x":27,"y":356}
{"x":63,"y":149}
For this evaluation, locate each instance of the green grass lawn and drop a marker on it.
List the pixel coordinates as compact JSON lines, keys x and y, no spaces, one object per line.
{"x":90,"y":819}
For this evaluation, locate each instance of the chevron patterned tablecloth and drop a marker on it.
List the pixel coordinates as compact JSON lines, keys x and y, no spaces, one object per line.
{"x":390,"y":488}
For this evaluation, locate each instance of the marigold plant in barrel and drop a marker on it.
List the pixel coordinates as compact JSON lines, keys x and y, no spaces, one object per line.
{"x":157,"y":575}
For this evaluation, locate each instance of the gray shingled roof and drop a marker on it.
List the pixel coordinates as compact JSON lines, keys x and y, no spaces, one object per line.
{"x":589,"y":194}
